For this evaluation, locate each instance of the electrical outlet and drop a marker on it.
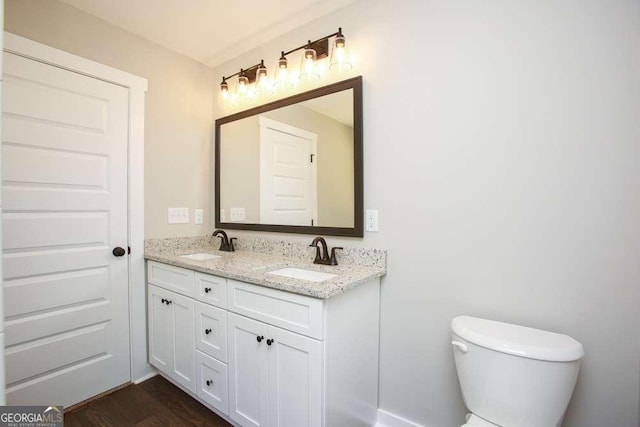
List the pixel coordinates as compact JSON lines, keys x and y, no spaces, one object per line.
{"x":371,"y":220}
{"x":178,"y":215}
{"x":198,"y":216}
{"x":237,"y":214}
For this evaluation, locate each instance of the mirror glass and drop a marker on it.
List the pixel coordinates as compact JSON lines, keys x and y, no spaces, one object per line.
{"x":294,"y":165}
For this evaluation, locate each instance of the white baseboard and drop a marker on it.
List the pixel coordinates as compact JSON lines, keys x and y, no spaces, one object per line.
{"x":387,"y":419}
{"x":146,"y":377}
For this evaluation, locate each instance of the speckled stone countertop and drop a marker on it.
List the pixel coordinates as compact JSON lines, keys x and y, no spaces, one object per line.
{"x":255,"y":258}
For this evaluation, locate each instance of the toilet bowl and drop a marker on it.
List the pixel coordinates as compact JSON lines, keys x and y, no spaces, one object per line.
{"x":513,"y":376}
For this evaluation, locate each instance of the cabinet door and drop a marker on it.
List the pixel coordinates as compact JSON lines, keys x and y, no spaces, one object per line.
{"x":183,"y":340}
{"x":160,"y":330}
{"x":295,"y":379}
{"x":248,"y":398}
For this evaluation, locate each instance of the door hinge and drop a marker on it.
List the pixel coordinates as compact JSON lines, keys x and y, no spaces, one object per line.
{"x":312,"y":158}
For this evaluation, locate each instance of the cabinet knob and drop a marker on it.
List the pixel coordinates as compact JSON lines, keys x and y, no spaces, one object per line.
{"x":207,"y":331}
{"x":167,"y":301}
{"x":259,"y":338}
{"x":207,"y":290}
{"x":270,"y":341}
{"x":209,"y":382}
{"x":163,"y":300}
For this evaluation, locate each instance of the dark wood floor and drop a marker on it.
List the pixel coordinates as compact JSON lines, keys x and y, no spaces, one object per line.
{"x":155,"y":402}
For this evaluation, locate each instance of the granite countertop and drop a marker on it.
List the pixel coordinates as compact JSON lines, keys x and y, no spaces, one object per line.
{"x":253,"y":266}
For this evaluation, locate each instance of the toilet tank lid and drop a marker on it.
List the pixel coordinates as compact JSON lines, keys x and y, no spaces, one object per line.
{"x":517,"y":340}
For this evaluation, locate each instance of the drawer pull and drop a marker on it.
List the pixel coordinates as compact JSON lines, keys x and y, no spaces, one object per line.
{"x":207,"y":331}
{"x":207,"y":290}
{"x":259,"y":338}
{"x":209,"y":382}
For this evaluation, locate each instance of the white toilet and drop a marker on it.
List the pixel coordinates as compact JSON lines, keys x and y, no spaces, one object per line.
{"x":514,"y":376}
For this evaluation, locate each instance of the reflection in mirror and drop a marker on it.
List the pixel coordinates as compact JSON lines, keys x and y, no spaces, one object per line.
{"x":294,"y":166}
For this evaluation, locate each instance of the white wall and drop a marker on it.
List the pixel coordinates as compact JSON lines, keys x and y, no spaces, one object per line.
{"x":178,"y":104}
{"x":502,"y":149}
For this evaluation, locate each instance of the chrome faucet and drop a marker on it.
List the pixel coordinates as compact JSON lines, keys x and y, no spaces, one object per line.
{"x":226,"y":244}
{"x":324,"y":257}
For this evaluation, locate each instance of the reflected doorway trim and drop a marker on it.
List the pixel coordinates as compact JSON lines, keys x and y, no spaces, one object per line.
{"x":137,"y":88}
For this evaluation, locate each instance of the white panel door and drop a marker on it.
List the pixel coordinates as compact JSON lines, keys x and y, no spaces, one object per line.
{"x":295,"y":380}
{"x":248,"y":389}
{"x":288,"y":189}
{"x":64,"y":179}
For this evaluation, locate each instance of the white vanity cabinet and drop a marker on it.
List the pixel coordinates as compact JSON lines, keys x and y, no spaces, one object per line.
{"x":265,"y":357}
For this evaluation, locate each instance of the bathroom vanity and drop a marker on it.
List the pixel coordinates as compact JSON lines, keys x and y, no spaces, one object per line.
{"x":261,"y":348}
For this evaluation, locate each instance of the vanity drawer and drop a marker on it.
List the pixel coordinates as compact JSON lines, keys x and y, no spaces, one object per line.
{"x":211,"y":289}
{"x":297,"y":313}
{"x":216,"y":392}
{"x":175,"y":279}
{"x":211,"y":331}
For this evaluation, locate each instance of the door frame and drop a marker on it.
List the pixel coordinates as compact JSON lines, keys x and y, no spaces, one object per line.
{"x":137,"y":87}
{"x":266,"y":123}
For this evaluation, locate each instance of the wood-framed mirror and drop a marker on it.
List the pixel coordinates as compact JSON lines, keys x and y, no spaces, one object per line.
{"x":293,"y":165}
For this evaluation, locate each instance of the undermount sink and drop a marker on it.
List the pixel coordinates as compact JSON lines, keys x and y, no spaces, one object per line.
{"x":200,"y":256}
{"x":300,"y":273}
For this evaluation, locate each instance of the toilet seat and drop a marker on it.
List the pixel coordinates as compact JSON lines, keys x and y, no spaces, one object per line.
{"x":476,"y":421}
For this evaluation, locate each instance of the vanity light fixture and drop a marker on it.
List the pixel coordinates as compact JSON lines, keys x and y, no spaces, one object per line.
{"x":255,"y":79}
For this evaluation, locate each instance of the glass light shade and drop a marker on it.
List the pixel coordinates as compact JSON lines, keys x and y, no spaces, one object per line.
{"x":308,"y":71}
{"x":243,"y":83}
{"x":224,"y":90}
{"x":283,"y":77}
{"x":262,"y":79}
{"x":340,"y":59}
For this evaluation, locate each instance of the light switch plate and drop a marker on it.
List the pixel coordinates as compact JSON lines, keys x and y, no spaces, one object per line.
{"x":371,"y":220}
{"x":237,"y":214}
{"x":198,"y":216}
{"x":178,"y":215}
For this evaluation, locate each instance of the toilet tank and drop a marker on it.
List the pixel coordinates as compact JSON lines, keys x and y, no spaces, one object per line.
{"x":513,"y":375}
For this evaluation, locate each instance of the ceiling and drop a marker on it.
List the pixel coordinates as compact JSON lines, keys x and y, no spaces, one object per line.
{"x":209,"y":31}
